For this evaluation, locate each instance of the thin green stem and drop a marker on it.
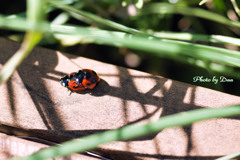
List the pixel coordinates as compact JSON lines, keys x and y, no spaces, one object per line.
{"x":11,"y":23}
{"x":31,"y":38}
{"x":198,"y":37}
{"x":230,"y":157}
{"x":202,"y":2}
{"x":236,"y":8}
{"x":164,"y":48}
{"x":165,"y":8}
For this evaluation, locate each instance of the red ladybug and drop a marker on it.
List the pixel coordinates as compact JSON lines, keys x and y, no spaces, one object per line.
{"x":81,"y":80}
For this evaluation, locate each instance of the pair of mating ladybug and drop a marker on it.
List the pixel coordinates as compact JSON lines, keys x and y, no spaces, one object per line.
{"x":81,"y":80}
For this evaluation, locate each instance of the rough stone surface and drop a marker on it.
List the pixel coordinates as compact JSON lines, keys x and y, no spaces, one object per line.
{"x":33,"y":103}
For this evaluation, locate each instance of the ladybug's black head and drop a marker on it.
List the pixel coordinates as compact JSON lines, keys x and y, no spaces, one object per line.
{"x":64,"y":81}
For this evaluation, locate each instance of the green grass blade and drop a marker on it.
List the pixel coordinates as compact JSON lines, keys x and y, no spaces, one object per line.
{"x":29,"y":42}
{"x":18,"y":23}
{"x":21,"y":24}
{"x":133,"y":131}
{"x":197,"y":37}
{"x":35,"y":13}
{"x":179,"y":51}
{"x":202,"y":2}
{"x":165,"y":48}
{"x":165,"y":8}
{"x":230,"y":157}
{"x":236,"y":8}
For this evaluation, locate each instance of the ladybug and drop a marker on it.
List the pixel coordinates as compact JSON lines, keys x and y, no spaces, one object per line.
{"x":81,"y":80}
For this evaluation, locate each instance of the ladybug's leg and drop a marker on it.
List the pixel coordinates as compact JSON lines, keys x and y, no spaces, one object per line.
{"x":70,"y":92}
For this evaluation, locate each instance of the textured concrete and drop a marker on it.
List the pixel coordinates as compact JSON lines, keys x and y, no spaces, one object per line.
{"x":33,"y":103}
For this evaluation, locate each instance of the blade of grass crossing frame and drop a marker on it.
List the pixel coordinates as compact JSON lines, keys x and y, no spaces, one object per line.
{"x":133,"y":131}
{"x":202,"y":2}
{"x":236,"y":8}
{"x":35,"y":14}
{"x":230,"y":157}
{"x":180,"y":51}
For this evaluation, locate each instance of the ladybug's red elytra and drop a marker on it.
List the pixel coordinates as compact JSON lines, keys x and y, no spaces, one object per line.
{"x":81,"y":80}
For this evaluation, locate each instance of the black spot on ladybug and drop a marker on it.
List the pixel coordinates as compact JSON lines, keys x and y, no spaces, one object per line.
{"x":88,"y":84}
{"x":94,"y":72}
{"x":75,"y":86}
{"x":80,"y":72}
{"x":88,"y":75}
{"x":93,"y":80}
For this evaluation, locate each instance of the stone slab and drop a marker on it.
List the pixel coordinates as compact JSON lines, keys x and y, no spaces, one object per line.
{"x":33,"y":103}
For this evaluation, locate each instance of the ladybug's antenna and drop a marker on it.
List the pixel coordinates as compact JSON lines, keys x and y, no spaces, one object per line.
{"x":70,"y":60}
{"x":76,"y":64}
